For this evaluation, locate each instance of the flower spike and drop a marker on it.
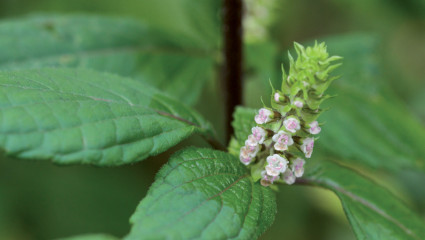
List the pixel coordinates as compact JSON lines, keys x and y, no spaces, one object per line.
{"x":284,"y":133}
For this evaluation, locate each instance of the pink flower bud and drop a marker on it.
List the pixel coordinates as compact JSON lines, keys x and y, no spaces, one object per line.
{"x":276,"y":165}
{"x":291,"y":124}
{"x":263,"y":116}
{"x":277,"y":97}
{"x":314,"y":128}
{"x":259,"y":134}
{"x":288,"y":177}
{"x":298,"y":104}
{"x":298,"y":167}
{"x":307,"y":147}
{"x":283,"y":140}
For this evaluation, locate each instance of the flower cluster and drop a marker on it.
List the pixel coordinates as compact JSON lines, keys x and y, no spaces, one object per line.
{"x":285,"y":133}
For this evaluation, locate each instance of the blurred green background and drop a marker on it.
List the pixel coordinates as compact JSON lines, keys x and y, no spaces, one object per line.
{"x":383,"y":43}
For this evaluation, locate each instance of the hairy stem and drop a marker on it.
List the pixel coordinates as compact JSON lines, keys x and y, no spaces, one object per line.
{"x":232,"y":67}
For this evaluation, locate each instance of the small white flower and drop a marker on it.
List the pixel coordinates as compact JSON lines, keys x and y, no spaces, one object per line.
{"x":276,"y":165}
{"x":251,"y":141}
{"x":283,"y":140}
{"x":277,"y":97}
{"x":259,"y":134}
{"x":314,"y":128}
{"x":298,"y":103}
{"x":307,"y":147}
{"x":288,"y":177}
{"x":272,"y":171}
{"x":268,"y":178}
{"x":247,"y":153}
{"x":298,"y":167}
{"x":245,"y":160}
{"x":244,"y":155}
{"x":263,"y":116}
{"x":292,"y":124}
{"x":253,"y":150}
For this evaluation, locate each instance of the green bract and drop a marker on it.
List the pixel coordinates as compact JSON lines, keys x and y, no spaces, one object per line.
{"x":309,"y":77}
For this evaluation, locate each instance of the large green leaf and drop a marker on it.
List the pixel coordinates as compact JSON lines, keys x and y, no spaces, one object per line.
{"x":82,"y":116}
{"x":118,"y":45}
{"x":203,"y":194}
{"x":374,"y":213}
{"x":367,"y":123}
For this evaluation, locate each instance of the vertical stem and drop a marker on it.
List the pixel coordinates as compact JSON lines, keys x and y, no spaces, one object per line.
{"x":232,"y":67}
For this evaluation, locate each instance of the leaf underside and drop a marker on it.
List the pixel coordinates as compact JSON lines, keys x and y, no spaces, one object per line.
{"x":203,"y":194}
{"x":82,"y":116}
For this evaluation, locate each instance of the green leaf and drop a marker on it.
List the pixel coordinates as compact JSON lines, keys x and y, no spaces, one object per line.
{"x":203,"y":194}
{"x":367,"y":124}
{"x":374,"y":213}
{"x":82,"y":116}
{"x":243,"y":121}
{"x":91,"y":237}
{"x":117,"y":45}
